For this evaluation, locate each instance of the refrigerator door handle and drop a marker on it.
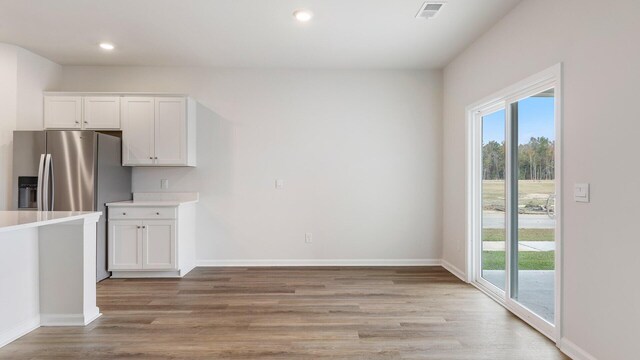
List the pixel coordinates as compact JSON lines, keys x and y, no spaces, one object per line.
{"x":45,"y":183}
{"x":39,"y":189}
{"x":53,"y":187}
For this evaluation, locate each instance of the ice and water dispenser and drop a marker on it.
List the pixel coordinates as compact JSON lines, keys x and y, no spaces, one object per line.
{"x":27,"y":192}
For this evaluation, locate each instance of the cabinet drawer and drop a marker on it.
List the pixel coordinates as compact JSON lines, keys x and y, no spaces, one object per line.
{"x":142,"y":213}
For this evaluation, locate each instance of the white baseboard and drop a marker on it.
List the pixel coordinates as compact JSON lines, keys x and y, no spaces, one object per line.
{"x":321,"y":262}
{"x":574,"y":351}
{"x":454,"y":270}
{"x":67,"y":319}
{"x":127,"y":274}
{"x":18,"y":331}
{"x":187,"y":269}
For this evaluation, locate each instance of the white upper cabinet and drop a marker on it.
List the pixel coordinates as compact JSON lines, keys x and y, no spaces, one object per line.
{"x":82,"y":112}
{"x":63,"y":112}
{"x":138,"y":119}
{"x":158,"y":131}
{"x":101,"y":112}
{"x":171,"y":131}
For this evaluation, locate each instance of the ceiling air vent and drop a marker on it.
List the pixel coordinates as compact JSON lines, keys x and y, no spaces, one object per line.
{"x":430,"y":9}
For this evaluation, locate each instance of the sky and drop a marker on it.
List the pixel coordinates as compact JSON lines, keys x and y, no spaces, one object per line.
{"x":535,"y":119}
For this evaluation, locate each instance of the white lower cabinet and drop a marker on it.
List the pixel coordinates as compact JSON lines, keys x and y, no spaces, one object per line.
{"x":125,"y":245}
{"x":146,"y":242}
{"x":137,"y":244}
{"x":159,"y":244}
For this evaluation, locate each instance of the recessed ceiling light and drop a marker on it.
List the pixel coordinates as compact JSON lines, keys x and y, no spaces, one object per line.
{"x":302,"y":15}
{"x":106,"y":46}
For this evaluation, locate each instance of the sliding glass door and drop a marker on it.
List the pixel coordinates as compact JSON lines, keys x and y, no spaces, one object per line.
{"x":514,"y":183}
{"x":533,"y":189}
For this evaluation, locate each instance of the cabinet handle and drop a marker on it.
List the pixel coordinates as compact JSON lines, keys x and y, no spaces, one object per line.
{"x":157,"y":213}
{"x":156,"y":158}
{"x":151,"y":157}
{"x":144,"y":227}
{"x":124,"y":213}
{"x":86,"y":122}
{"x":138,"y":227}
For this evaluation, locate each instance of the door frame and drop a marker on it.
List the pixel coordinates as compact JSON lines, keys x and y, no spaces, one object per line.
{"x":550,"y":77}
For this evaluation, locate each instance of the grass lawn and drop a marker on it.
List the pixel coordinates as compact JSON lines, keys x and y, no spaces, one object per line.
{"x":523,"y":234}
{"x":531,"y":192}
{"x":527,"y":260}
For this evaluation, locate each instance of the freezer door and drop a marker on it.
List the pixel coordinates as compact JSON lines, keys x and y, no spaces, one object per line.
{"x":73,"y":155}
{"x":28,"y":146}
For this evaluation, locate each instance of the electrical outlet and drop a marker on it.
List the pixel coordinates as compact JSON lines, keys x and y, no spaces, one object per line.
{"x":164,"y":184}
{"x":308,"y":238}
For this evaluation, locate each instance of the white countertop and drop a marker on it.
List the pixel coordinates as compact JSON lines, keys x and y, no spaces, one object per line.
{"x":149,"y":203}
{"x":149,"y":199}
{"x":17,"y":220}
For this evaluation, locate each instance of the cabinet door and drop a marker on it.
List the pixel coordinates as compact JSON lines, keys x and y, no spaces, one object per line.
{"x":125,"y":245}
{"x":102,"y":112}
{"x":171,"y":131}
{"x":138,"y":117}
{"x":62,"y":112}
{"x":159,"y":249}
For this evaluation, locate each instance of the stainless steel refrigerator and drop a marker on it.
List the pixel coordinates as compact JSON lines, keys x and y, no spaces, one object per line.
{"x":70,"y":171}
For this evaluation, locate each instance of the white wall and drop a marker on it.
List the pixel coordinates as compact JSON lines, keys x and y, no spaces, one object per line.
{"x":23,"y":77}
{"x":35,"y":75}
{"x":8,"y":105}
{"x":598,"y":44}
{"x":359,"y":153}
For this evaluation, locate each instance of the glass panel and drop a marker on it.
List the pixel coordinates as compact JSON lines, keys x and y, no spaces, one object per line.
{"x":493,"y":198}
{"x":534,"y":272}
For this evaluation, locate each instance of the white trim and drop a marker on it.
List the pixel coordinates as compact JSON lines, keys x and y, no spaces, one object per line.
{"x":454,"y":270}
{"x":548,"y":78}
{"x":19,"y":331}
{"x":545,"y":75}
{"x":146,"y":274}
{"x":559,"y":204}
{"x":573,"y":351}
{"x":67,"y":319}
{"x":187,"y":268}
{"x":321,"y":262}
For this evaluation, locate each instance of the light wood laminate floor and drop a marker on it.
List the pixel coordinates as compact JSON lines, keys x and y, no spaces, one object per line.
{"x":293,"y":313}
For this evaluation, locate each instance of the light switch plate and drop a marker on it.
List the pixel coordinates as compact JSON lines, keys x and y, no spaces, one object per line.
{"x":581,"y":192}
{"x":279,"y":183}
{"x":164,"y":184}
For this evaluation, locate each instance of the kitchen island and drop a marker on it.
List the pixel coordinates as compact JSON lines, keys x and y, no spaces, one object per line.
{"x":47,"y":270}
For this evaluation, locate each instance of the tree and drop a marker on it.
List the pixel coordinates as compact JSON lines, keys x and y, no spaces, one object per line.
{"x":535,"y":160}
{"x":493,"y":160}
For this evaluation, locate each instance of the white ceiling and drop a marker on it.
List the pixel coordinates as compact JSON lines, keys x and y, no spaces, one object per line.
{"x":247,"y":33}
